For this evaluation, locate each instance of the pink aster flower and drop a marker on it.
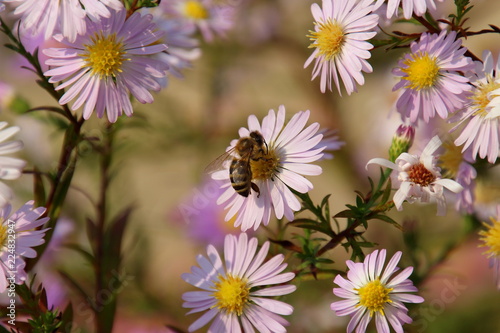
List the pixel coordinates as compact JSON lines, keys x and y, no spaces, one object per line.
{"x":68,"y":16}
{"x":419,"y":7}
{"x":17,"y":238}
{"x":430,"y":79}
{"x":339,"y":41}
{"x":280,"y":167}
{"x":372,"y":291}
{"x":10,"y":167}
{"x":419,"y":178}
{"x":235,"y":289}
{"x":111,"y":61}
{"x":212,"y":18}
{"x":482,"y":117}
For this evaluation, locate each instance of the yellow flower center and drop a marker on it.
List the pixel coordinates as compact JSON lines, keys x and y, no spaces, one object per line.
{"x":422,"y":71}
{"x":266,"y":166}
{"x":3,"y":235}
{"x":329,"y":39}
{"x":232,"y":294}
{"x":418,"y":174}
{"x":491,"y":238}
{"x":450,"y":159}
{"x":105,"y":55}
{"x":195,"y":10}
{"x":482,"y":96}
{"x":373,"y":296}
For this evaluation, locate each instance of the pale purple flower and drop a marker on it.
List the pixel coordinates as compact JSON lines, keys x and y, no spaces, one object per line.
{"x":482,"y":116}
{"x":10,"y":167}
{"x":67,"y":16}
{"x":17,"y":239}
{"x":111,"y":61}
{"x":419,"y":7}
{"x":339,"y":39}
{"x":182,"y":46}
{"x":372,"y":291}
{"x":419,"y":177}
{"x":289,"y":151}
{"x":330,"y":142}
{"x":430,"y":80}
{"x":236,"y":288}
{"x":212,"y":18}
{"x":202,"y":217}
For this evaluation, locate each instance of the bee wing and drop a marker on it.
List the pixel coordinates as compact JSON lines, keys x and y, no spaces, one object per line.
{"x":218,"y":163}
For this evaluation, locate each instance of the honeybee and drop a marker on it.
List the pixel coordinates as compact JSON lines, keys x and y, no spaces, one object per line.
{"x":249,"y":148}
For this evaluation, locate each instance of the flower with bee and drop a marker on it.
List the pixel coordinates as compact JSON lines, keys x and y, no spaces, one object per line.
{"x":261,"y":169}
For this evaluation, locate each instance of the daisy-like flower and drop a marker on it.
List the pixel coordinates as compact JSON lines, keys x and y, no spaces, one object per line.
{"x":233,"y":291}
{"x":430,"y":82}
{"x":490,"y":238}
{"x":339,"y":41}
{"x":110,"y":61}
{"x":182,"y":47}
{"x":66,"y":16}
{"x":419,"y":177}
{"x":457,"y":165}
{"x":369,"y":291}
{"x":419,"y":7}
{"x":482,"y":117}
{"x":212,"y":18}
{"x":17,"y":238}
{"x":277,"y":169}
{"x":10,"y":167}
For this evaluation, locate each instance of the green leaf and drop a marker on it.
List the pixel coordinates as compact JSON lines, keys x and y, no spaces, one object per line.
{"x":287,"y":245}
{"x":348,"y":213}
{"x":85,"y":254}
{"x":387,"y":219}
{"x":38,"y":188}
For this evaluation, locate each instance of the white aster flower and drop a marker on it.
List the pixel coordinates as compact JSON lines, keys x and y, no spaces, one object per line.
{"x":482,"y":117}
{"x":235,"y":289}
{"x":285,"y":160}
{"x":339,"y":39}
{"x":111,"y":61}
{"x":369,"y":291}
{"x":419,"y":177}
{"x":17,"y":238}
{"x":419,"y":7}
{"x":66,"y":16}
{"x":10,"y":167}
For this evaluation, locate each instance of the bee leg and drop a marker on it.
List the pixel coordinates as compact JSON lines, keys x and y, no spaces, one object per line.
{"x":256,"y":189}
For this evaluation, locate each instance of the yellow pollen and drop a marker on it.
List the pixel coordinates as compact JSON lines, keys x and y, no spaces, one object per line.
{"x":450,"y":160}
{"x":329,"y":39}
{"x":195,"y":10}
{"x":422,"y":71}
{"x":3,"y":235}
{"x":418,"y":174}
{"x":105,"y":55}
{"x":374,"y":296}
{"x":491,"y":238}
{"x":482,"y":97}
{"x":266,"y":166}
{"x":232,"y":294}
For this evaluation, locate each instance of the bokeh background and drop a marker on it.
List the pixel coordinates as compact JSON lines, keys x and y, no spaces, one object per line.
{"x":161,"y":153}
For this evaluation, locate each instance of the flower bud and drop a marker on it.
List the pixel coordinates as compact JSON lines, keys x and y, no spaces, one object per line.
{"x":401,"y":141}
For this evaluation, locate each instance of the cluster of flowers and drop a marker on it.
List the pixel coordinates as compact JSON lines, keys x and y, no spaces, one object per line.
{"x":104,"y":56}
